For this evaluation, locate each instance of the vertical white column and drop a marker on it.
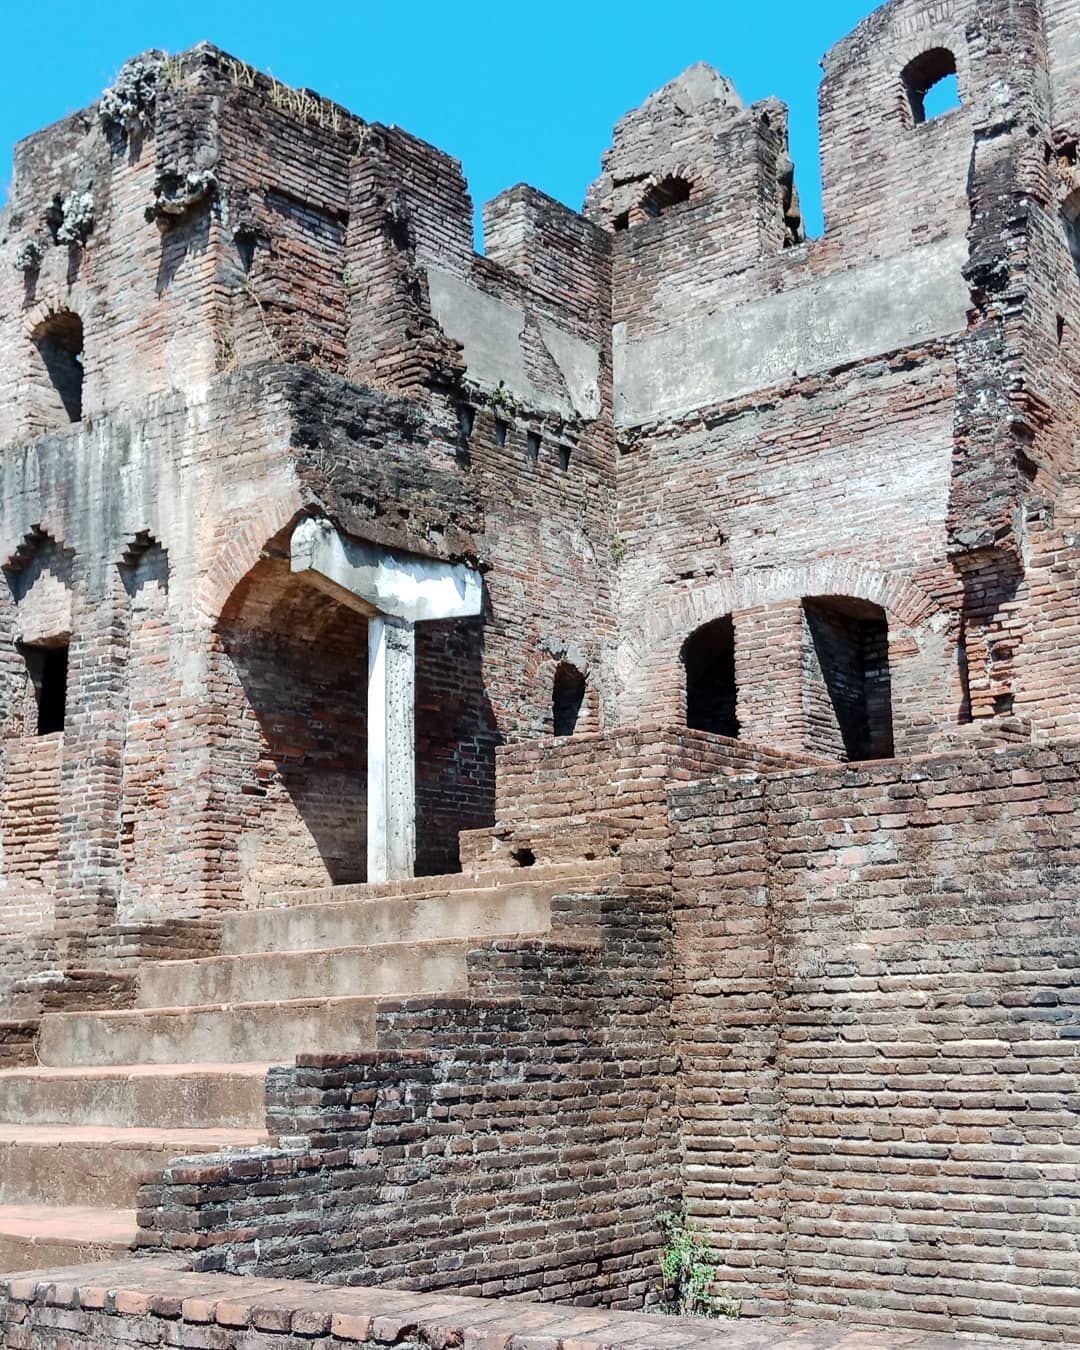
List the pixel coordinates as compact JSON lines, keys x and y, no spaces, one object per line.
{"x":391,"y":756}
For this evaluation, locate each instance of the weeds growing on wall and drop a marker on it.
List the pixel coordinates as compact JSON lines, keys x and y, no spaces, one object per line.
{"x":688,"y":1274}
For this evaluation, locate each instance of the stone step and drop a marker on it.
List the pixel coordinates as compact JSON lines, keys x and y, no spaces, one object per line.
{"x":448,"y":882}
{"x":277,"y":1032}
{"x":165,"y":1096}
{"x":97,"y":1165}
{"x":33,"y":1237}
{"x":344,"y":916}
{"x":389,"y":969}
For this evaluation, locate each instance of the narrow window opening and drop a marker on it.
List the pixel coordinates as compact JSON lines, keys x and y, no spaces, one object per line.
{"x":59,"y":342}
{"x":664,"y":195}
{"x":466,"y":420}
{"x":931,"y":84}
{"x":847,"y":683}
{"x":622,"y":221}
{"x":48,"y":668}
{"x":532,"y":447}
{"x":564,"y":457}
{"x":711,"y":692}
{"x":245,"y":246}
{"x":500,"y":432}
{"x":1060,"y":329}
{"x":1072,"y":229}
{"x":567,"y":697}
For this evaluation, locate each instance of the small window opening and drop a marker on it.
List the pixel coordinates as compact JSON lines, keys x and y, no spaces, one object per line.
{"x":622,"y":221}
{"x":532,"y":447}
{"x":245,"y":247}
{"x":567,"y":697}
{"x":466,"y":420}
{"x":847,"y":683}
{"x":666,"y":194}
{"x":931,"y":84}
{"x":1072,"y":228}
{"x":48,"y":668}
{"x":711,"y":694}
{"x":500,"y":432}
{"x":564,"y":457}
{"x":1060,"y":329}
{"x":59,"y":341}
{"x":524,"y":857}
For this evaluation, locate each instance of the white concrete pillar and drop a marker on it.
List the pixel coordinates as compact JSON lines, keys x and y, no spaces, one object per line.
{"x":391,"y":789}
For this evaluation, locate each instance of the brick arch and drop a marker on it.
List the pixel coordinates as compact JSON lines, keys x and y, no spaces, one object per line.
{"x":949,"y":36}
{"x":901,"y":599}
{"x":545,"y":660}
{"x":52,"y":307}
{"x":238,"y":546}
{"x":136,"y":544}
{"x":32,"y":541}
{"x":667,"y":627}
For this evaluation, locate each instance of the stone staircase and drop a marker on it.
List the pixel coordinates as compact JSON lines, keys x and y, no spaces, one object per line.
{"x":118,"y":1094}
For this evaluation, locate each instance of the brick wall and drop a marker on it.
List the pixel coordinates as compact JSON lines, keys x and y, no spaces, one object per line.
{"x":155,"y":1303}
{"x":30,"y":822}
{"x":877,"y":1010}
{"x":517,"y":1141}
{"x":563,"y":798}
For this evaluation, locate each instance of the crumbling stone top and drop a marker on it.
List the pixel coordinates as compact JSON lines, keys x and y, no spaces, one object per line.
{"x":671,"y":133}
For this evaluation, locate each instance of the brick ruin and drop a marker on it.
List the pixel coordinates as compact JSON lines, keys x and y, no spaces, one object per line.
{"x":497,"y":747}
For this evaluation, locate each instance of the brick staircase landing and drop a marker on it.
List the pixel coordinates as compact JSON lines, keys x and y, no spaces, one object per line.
{"x":118,"y":1094}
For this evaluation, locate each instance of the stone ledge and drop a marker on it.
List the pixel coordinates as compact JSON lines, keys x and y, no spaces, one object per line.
{"x":43,"y":1308}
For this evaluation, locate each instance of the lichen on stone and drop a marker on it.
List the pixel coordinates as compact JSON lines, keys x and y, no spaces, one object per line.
{"x":71,"y":218}
{"x":177,"y":193}
{"x":29,"y":255}
{"x":128,"y":105}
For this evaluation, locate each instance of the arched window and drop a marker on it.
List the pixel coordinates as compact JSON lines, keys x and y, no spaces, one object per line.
{"x":709,"y":659}
{"x":931,"y":84}
{"x":664,"y":195}
{"x":59,"y":343}
{"x":1071,"y":217}
{"x":847,"y":693}
{"x":567,"y":696}
{"x":48,"y":667}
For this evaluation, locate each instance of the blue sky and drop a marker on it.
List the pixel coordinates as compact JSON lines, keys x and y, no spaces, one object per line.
{"x":519,"y":92}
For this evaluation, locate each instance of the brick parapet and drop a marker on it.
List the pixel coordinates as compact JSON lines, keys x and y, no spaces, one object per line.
{"x":152,"y":1303}
{"x":873,"y":969}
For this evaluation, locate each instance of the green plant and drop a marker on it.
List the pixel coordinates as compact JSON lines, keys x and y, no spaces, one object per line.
{"x":172,"y":71}
{"x":618,"y":550}
{"x":503,"y":403}
{"x":688,"y":1274}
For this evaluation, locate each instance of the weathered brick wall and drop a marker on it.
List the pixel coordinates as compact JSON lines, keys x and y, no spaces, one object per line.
{"x":517,"y":1141}
{"x":30,"y":824}
{"x":563,"y":798}
{"x":698,"y":517}
{"x":744,"y":492}
{"x":156,"y":1303}
{"x":876,"y":998}
{"x":286,"y":215}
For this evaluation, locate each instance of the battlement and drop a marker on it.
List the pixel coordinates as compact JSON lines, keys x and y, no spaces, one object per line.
{"x":202,"y":217}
